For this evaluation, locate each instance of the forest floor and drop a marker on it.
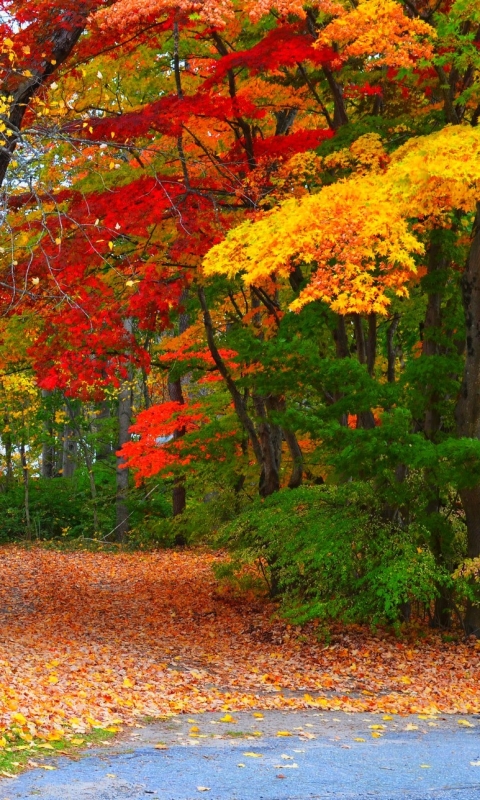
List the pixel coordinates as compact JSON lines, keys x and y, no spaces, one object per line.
{"x":137,"y":644}
{"x":103,"y":640}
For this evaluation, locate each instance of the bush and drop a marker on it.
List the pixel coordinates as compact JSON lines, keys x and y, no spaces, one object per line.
{"x":329,"y":558}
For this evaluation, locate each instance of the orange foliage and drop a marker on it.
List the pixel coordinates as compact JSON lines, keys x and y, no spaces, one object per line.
{"x":101,"y":639}
{"x":379,"y":31}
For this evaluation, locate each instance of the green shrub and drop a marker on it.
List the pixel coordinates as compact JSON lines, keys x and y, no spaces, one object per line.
{"x":330,"y":558}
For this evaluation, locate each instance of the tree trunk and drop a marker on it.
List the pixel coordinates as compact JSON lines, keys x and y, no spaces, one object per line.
{"x":48,"y":447}
{"x":270,"y":436}
{"x":26,"y":497}
{"x":69,"y":452}
{"x":8,"y":447}
{"x":296,"y":476}
{"x":432,"y":328}
{"x":468,"y":405}
{"x":175,"y":392}
{"x":122,"y":474}
{"x":366,"y":352}
{"x":124,"y":422}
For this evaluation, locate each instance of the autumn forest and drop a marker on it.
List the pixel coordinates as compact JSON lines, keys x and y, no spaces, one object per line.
{"x":240,"y":332}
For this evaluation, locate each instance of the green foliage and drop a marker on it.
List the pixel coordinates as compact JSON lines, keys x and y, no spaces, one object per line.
{"x":57,"y":510}
{"x":331,"y":558}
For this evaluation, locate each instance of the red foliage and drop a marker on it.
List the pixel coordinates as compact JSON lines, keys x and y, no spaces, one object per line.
{"x":285,"y":46}
{"x":157,"y":450}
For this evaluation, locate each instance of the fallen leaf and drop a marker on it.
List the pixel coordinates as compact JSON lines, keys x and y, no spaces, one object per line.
{"x":465,"y":723}
{"x":283,"y":733}
{"x":203,"y":788}
{"x":254,"y":755}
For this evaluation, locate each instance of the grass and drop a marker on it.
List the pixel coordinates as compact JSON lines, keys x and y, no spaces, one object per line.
{"x":17,"y":755}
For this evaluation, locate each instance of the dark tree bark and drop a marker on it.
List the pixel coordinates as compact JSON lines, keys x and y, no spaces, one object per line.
{"x":175,"y":392}
{"x":433,"y":323}
{"x":431,"y":331}
{"x":69,"y":451}
{"x":8,"y":448}
{"x":270,"y":436}
{"x":122,"y":475}
{"x":296,"y":476}
{"x":48,"y":465}
{"x":468,"y":405}
{"x":366,"y":352}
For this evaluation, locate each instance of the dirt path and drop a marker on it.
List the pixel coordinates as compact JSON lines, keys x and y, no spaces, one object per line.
{"x":100,"y":639}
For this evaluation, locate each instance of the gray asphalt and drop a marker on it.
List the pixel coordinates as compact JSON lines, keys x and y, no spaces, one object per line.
{"x":412,"y":758}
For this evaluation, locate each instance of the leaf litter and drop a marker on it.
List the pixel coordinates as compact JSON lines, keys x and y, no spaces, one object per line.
{"x":90,"y":640}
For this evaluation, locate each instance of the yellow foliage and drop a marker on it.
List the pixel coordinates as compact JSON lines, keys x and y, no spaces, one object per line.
{"x":379,"y":31}
{"x":358,"y":242}
{"x":366,"y":154}
{"x":433,"y":175}
{"x":356,"y":234}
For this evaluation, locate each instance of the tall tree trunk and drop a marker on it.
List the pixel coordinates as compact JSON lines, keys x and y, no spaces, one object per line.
{"x":296,"y":476}
{"x":68,"y":452}
{"x":48,"y":447}
{"x":239,"y":401}
{"x":432,"y":328}
{"x":26,"y":495}
{"x":175,"y":392}
{"x":270,"y":436}
{"x":468,"y":405}
{"x":366,"y":352}
{"x":8,"y":448}
{"x":122,"y":474}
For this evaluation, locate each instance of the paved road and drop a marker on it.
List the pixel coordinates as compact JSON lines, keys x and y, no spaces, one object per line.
{"x":409,"y":758}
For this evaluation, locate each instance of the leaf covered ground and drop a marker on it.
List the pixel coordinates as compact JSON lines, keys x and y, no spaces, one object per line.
{"x":100,"y":639}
